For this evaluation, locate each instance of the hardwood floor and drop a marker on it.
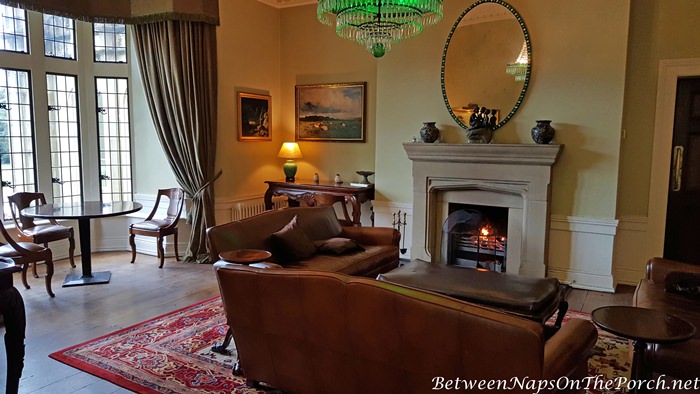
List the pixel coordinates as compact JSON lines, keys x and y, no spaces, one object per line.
{"x":137,"y":292}
{"x":587,"y":301}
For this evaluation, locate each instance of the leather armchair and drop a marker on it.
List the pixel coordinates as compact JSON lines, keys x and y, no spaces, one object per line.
{"x":678,"y":360}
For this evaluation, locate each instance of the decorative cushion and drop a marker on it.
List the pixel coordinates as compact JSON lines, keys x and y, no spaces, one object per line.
{"x":337,"y":246}
{"x":683,"y":283}
{"x":291,"y":243}
{"x":152,"y":225}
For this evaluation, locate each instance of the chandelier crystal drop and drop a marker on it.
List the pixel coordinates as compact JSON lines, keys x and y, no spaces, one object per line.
{"x":519,"y":67}
{"x":377,"y":24}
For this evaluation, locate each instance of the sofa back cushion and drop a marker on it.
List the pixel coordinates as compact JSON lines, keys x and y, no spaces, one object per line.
{"x":321,"y":332}
{"x":256,"y":232}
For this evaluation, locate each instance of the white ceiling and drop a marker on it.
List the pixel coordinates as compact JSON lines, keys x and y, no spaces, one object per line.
{"x":287,"y":3}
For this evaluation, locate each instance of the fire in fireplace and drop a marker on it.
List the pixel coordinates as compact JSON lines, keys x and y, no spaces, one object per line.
{"x":475,"y":236}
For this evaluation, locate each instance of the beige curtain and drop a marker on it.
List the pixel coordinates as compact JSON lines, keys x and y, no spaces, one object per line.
{"x":178,"y":69}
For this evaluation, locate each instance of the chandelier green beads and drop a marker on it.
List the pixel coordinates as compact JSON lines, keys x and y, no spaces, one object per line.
{"x":377,"y":24}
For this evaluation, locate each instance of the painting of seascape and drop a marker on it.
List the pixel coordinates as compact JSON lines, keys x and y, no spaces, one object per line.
{"x":330,"y":112}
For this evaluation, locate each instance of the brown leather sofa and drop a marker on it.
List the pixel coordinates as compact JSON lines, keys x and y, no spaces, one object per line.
{"x":312,"y":332}
{"x":680,"y":360}
{"x":380,"y":244}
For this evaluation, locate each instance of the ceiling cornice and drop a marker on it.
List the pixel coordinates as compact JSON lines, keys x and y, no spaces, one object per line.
{"x":287,"y":3}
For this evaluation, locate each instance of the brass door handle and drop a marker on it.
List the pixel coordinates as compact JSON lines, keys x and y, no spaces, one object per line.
{"x":677,"y":168}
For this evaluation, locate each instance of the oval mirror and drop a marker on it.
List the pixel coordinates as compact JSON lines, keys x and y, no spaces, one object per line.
{"x":486,"y":62}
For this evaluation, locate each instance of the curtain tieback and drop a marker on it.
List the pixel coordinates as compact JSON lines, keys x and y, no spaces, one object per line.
{"x":200,"y":191}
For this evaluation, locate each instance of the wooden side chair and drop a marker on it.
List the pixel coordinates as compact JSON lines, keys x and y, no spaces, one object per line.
{"x":160,"y":228}
{"x":322,"y":200}
{"x":42,"y":234}
{"x":26,"y":253}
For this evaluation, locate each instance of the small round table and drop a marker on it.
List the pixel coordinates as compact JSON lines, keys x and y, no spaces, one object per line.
{"x":83,"y":212}
{"x":245,"y":256}
{"x":643,"y":326}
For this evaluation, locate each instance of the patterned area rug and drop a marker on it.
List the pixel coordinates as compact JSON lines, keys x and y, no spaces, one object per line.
{"x":172,"y":354}
{"x":611,"y":358}
{"x":167,"y":354}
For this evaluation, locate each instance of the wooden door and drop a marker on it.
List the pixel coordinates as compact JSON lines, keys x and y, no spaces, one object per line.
{"x":682,"y":240}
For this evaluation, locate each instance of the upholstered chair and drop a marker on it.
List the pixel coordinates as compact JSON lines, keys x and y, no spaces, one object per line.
{"x":323,"y":200}
{"x":26,"y":253}
{"x":160,"y":228}
{"x":28,"y":231}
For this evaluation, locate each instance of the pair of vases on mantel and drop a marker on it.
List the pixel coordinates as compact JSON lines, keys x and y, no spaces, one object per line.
{"x":542,"y":133}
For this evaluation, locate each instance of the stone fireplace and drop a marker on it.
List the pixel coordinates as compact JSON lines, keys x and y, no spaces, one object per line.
{"x":513,"y":177}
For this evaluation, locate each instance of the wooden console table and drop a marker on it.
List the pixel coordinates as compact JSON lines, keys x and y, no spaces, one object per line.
{"x":306,"y":190}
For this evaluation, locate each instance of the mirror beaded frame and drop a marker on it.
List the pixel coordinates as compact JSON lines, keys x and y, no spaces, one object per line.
{"x":526,"y":83}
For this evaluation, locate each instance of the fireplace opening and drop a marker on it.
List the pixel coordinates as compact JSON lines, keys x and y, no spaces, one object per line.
{"x":475,"y":236}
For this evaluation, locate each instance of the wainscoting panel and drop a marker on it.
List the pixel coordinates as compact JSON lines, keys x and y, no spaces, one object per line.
{"x":588,"y":253}
{"x":581,"y":252}
{"x":386,"y":212}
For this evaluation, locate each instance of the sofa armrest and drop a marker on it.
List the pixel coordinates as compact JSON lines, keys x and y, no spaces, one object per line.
{"x":568,"y":348}
{"x":658,"y":268}
{"x":373,"y":235}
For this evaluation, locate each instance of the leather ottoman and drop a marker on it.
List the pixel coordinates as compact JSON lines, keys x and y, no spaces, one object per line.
{"x":532,"y":298}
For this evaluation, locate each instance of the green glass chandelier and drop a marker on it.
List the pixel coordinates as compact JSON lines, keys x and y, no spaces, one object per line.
{"x":377,"y":24}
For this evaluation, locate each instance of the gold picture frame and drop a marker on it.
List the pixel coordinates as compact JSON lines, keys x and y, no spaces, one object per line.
{"x":254,"y":117}
{"x":330,"y":112}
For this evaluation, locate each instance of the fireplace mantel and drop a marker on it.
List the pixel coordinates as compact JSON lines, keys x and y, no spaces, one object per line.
{"x":532,"y":154}
{"x":513,"y":176}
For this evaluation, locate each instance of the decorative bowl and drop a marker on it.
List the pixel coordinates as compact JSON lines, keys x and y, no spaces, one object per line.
{"x":365,"y":174}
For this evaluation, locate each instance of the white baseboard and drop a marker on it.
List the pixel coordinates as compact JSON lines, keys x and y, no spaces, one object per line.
{"x":581,"y":251}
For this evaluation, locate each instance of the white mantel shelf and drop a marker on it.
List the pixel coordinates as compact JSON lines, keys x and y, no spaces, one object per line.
{"x":530,"y":154}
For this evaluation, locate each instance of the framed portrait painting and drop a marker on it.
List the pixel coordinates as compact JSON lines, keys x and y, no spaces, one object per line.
{"x":254,"y":117}
{"x":331,"y":112}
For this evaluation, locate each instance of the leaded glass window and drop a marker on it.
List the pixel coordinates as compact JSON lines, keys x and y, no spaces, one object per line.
{"x":59,"y":37}
{"x":17,"y":167}
{"x":64,"y":136}
{"x":114,"y":139}
{"x":13,"y":29}
{"x":110,"y":42}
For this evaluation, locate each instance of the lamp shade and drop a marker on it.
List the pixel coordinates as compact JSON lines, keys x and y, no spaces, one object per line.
{"x":290,"y":150}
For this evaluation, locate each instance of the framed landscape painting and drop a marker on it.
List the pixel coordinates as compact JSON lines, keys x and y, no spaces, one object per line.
{"x":331,"y":112}
{"x":254,"y":117}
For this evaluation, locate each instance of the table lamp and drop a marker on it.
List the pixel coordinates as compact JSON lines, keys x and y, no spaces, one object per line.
{"x":290,"y":151}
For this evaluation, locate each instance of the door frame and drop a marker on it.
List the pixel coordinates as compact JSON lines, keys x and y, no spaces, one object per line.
{"x":669,"y":72}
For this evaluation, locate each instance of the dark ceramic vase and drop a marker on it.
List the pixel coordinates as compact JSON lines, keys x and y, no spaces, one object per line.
{"x":429,"y":133}
{"x":543,"y":132}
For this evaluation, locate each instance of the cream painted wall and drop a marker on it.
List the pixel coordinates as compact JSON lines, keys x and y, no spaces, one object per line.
{"x":248,"y":46}
{"x":658,"y":30}
{"x":578,"y":82}
{"x":311,"y":53}
{"x":151,"y":168}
